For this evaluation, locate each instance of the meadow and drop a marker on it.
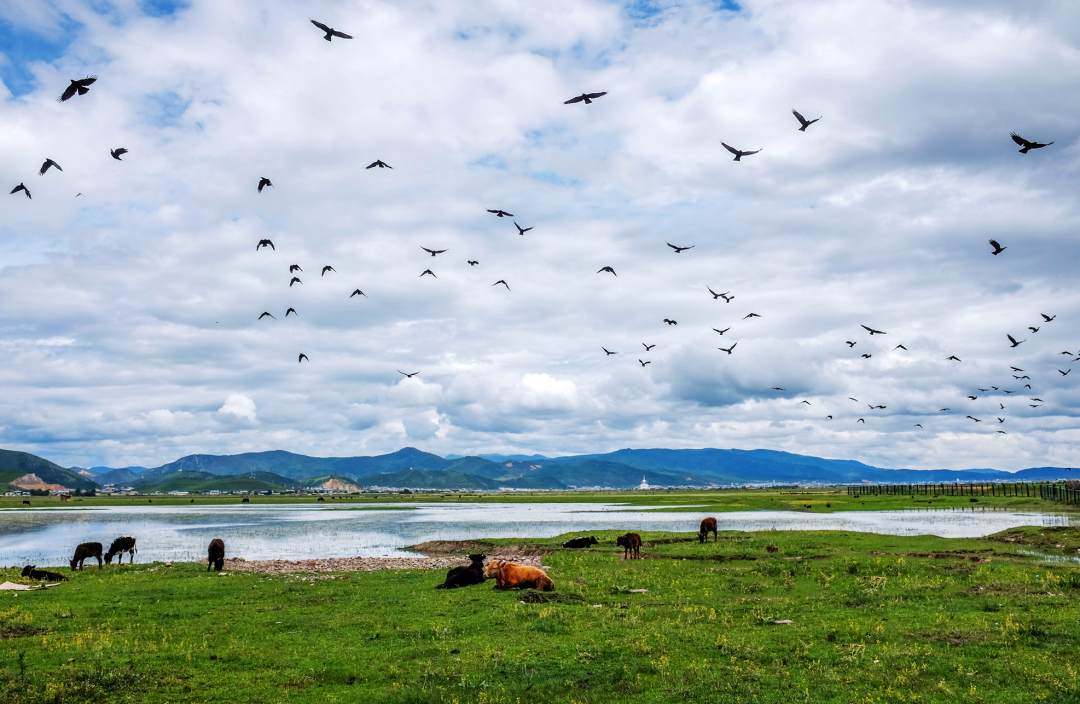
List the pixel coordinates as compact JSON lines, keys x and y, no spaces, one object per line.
{"x":874,"y":618}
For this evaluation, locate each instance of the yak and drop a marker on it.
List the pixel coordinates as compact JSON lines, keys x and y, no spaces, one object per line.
{"x":508,"y":575}
{"x":631,"y":545}
{"x":84,"y":551}
{"x":707,"y":525}
{"x":216,"y":555}
{"x":32,"y":573}
{"x":466,"y":576}
{"x":581,"y":542}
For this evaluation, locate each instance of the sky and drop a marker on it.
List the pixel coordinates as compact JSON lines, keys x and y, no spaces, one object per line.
{"x":129,"y":314}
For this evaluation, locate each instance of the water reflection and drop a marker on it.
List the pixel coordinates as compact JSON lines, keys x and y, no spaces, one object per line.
{"x":256,"y":532}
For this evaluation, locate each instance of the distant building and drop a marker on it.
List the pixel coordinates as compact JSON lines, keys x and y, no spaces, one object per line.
{"x":644,"y":484}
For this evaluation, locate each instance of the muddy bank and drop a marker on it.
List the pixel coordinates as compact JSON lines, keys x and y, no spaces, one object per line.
{"x":361,"y":564}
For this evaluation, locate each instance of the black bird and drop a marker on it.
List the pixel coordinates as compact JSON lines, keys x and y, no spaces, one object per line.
{"x":777,"y":388}
{"x":433,"y":252}
{"x":295,"y":280}
{"x":803,"y":121}
{"x":1002,"y":405}
{"x":22,"y":188}
{"x":944,"y":409}
{"x":586,"y":98}
{"x":330,"y":33}
{"x":263,"y":183}
{"x":265,"y":243}
{"x":294,"y":268}
{"x":501,"y":213}
{"x":899,"y":347}
{"x":266,"y":313}
{"x":647,"y":347}
{"x":609,"y":352}
{"x":727,"y":299}
{"x":716,"y":295}
{"x":429,"y":271}
{"x":358,"y":292}
{"x":607,"y":269}
{"x":81,"y":86}
{"x":861,"y":421}
{"x":503,"y":282}
{"x":850,"y":343}
{"x":46,"y":165}
{"x":872,"y":331}
{"x":1064,"y":373}
{"x":670,"y":322}
{"x":1003,"y":432}
{"x":1026,"y":144}
{"x":380,"y":163}
{"x":293,"y":311}
{"x":721,"y":331}
{"x":1033,"y":330}
{"x":302,"y":357}
{"x":1016,"y":369}
{"x":1013,"y":340}
{"x":874,"y":407}
{"x":117,"y":153}
{"x":918,"y":425}
{"x":1034,"y":405}
{"x":984,"y":390}
{"x":751,"y":315}
{"x":644,"y":363}
{"x":728,"y":350}
{"x":326,"y":269}
{"x":953,"y":357}
{"x":975,"y":419}
{"x":738,"y":153}
{"x":1067,"y":352}
{"x":521,"y":230}
{"x":850,"y":398}
{"x":973,"y":397}
{"x":867,"y":356}
{"x":1046,"y":317}
{"x":473,"y":262}
{"x":998,"y":249}
{"x":828,"y":417}
{"x":680,"y":249}
{"x":1001,"y":420}
{"x":806,"y":402}
{"x":1038,"y":399}
{"x":407,"y":376}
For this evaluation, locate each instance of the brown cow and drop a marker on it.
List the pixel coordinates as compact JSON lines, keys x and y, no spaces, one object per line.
{"x":707,"y":524}
{"x":508,"y":575}
{"x":216,"y":554}
{"x":631,"y":544}
{"x":84,"y":551}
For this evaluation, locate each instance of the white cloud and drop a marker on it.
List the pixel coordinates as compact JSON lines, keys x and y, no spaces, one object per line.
{"x":240,"y":406}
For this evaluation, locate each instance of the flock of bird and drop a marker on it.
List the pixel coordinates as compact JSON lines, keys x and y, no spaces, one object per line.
{"x":82,"y":87}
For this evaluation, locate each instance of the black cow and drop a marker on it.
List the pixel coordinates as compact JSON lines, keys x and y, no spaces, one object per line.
{"x":581,"y":542}
{"x":216,"y":554}
{"x":32,"y":573}
{"x":465,"y":576}
{"x":245,"y":500}
{"x":26,"y":503}
{"x":119,"y":546}
{"x":84,"y":551}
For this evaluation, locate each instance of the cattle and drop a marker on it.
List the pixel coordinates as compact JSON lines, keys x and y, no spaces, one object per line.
{"x":581,"y":542}
{"x":466,"y":576}
{"x":216,"y":554}
{"x":321,"y":499}
{"x":508,"y":576}
{"x":84,"y":551}
{"x":772,"y":548}
{"x":32,"y":573}
{"x":246,"y":500}
{"x":631,"y":545}
{"x":26,"y":503}
{"x":119,"y":546}
{"x":707,"y":525}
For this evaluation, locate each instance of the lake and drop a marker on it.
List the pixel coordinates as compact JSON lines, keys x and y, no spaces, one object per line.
{"x":47,"y":537}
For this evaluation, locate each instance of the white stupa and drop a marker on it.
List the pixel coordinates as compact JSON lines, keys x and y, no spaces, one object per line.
{"x":644,"y":484}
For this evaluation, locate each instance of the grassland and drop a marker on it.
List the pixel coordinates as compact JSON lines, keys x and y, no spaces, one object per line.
{"x":873,"y":619}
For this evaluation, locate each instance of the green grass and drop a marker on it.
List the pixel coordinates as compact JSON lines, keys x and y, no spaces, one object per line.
{"x":875,"y":619}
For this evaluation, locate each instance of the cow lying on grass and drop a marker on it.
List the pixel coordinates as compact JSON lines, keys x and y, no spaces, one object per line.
{"x":216,"y":554}
{"x":631,"y":545}
{"x":466,"y":576}
{"x":84,"y":551}
{"x":707,"y":525}
{"x":508,"y":575}
{"x":32,"y":573}
{"x":581,"y":542}
{"x":119,"y":546}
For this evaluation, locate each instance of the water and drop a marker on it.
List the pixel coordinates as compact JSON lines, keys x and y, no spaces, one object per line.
{"x":48,"y":537}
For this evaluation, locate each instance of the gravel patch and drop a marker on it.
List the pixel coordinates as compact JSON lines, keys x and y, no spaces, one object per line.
{"x":362,"y":564}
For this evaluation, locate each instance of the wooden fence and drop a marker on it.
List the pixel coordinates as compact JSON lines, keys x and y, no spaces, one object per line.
{"x":1047,"y":491}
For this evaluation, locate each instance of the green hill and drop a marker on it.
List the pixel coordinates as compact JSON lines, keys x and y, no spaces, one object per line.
{"x":14,"y":464}
{"x":205,"y":481}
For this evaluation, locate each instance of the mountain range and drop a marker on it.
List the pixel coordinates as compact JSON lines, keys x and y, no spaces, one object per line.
{"x":413,"y":468}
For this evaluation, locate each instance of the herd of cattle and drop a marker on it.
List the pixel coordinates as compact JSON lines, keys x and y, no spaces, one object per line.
{"x":507,"y":575}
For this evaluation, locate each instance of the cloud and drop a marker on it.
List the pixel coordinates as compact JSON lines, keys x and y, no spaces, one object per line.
{"x":240,"y":406}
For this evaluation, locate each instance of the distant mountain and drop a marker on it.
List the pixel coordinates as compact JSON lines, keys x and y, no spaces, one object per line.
{"x":15,"y":464}
{"x":205,"y":481}
{"x":124,"y":476}
{"x":503,"y":458}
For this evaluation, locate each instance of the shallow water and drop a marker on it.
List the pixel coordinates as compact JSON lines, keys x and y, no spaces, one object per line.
{"x":257,"y":532}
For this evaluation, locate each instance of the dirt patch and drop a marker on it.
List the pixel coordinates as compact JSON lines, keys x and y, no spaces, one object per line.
{"x":956,"y":555}
{"x":360,"y":564}
{"x":439,"y":548}
{"x":21,"y":631}
{"x":715,"y":558}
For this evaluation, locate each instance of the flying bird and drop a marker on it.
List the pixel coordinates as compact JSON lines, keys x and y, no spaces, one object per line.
{"x":644,"y":363}
{"x":607,"y":269}
{"x":293,"y":311}
{"x":680,"y":249}
{"x":728,"y":350}
{"x":609,"y":352}
{"x":81,"y":86}
{"x":751,"y":315}
{"x":586,"y":98}
{"x":22,"y":188}
{"x":998,"y":249}
{"x":429,"y":271}
{"x":1026,"y":144}
{"x":473,"y":262}
{"x":727,"y":299}
{"x":1003,"y":432}
{"x":918,"y":425}
{"x":521,"y":230}
{"x":330,"y":32}
{"x":670,"y":322}
{"x":738,"y":153}
{"x":302,"y":357}
{"x":1067,"y":352}
{"x":953,"y":358}
{"x":777,"y":388}
{"x":358,"y":292}
{"x":263,"y":183}
{"x":1016,"y":369}
{"x":294,"y":268}
{"x":295,"y":280}
{"x":501,"y":213}
{"x":1027,"y":386}
{"x":1001,"y":420}
{"x":433,"y":252}
{"x":46,"y":165}
{"x":1013,"y":340}
{"x":806,"y":402}
{"x":850,"y":398}
{"x":899,"y":347}
{"x":266,"y":313}
{"x":1033,"y":330}
{"x":117,"y":153}
{"x":265,"y":243}
{"x":975,"y":419}
{"x":973,"y":397}
{"x":861,"y":421}
{"x":1002,"y":405}
{"x":407,"y":376}
{"x":875,"y":407}
{"x":850,"y":343}
{"x":943,"y":409}
{"x":380,"y":163}
{"x":326,"y":269}
{"x":716,"y":295}
{"x":503,"y":282}
{"x":1046,"y":317}
{"x":828,"y":417}
{"x":647,"y":347}
{"x":803,"y":121}
{"x":872,"y":331}
{"x":721,"y":331}
{"x":1064,"y":373}
{"x":867,"y":356}
{"x":1034,"y":405}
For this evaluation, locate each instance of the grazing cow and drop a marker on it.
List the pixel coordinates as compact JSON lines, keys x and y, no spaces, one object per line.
{"x":216,"y":555}
{"x":772,"y":548}
{"x":246,"y":500}
{"x":508,"y":575}
{"x":84,"y":551}
{"x":581,"y":542}
{"x":119,"y":547}
{"x":631,"y":544}
{"x":322,"y":499}
{"x":466,"y":576}
{"x":26,"y":503}
{"x":707,"y":524}
{"x":32,"y":573}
